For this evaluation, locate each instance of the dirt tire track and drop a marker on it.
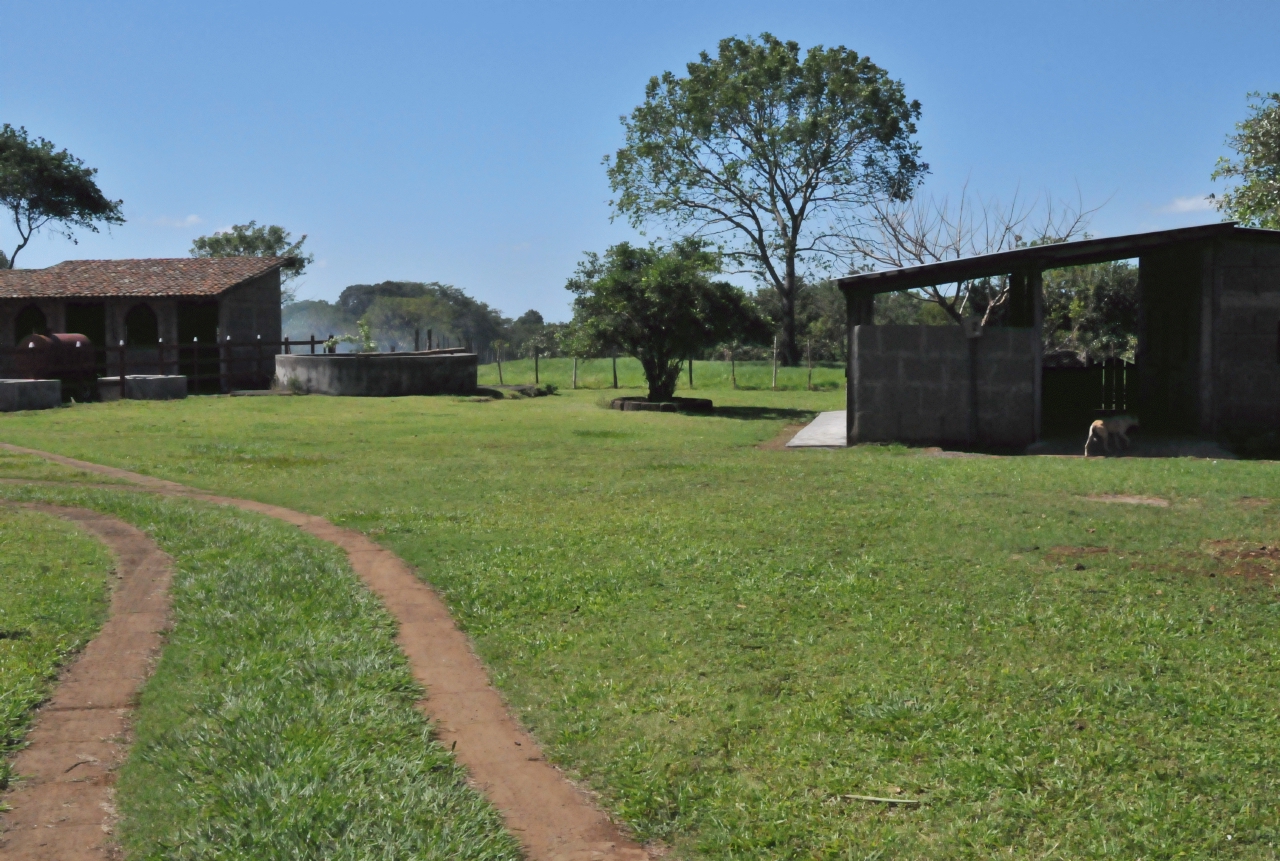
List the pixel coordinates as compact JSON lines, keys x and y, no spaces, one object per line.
{"x":553,"y":819}
{"x":62,"y":806}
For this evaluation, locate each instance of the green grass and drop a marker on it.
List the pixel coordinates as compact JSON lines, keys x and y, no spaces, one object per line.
{"x":726,"y":641}
{"x":598,"y":374}
{"x":53,"y":598}
{"x":280,"y":722}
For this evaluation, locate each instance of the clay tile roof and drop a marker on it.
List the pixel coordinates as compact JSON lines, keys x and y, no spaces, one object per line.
{"x":180,"y":276}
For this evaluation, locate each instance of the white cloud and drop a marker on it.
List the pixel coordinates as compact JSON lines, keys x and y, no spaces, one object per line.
{"x":189,"y":221}
{"x":1187,"y":204}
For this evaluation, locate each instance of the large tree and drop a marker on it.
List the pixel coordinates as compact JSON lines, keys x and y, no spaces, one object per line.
{"x":42,"y":186}
{"x":761,"y":147}
{"x":1256,"y":201}
{"x":250,"y":240}
{"x":659,"y":305}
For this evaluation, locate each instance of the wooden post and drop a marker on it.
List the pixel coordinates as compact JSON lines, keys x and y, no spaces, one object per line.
{"x":535,"y":367}
{"x":124,"y":371}
{"x":313,"y":343}
{"x":224,"y":357}
{"x":428,"y":339}
{"x":808,"y":354}
{"x":195,"y":363}
{"x":775,"y":362}
{"x":257,"y":360}
{"x":499,"y":354}
{"x":691,"y":372}
{"x":575,"y":372}
{"x":615,"y":369}
{"x":733,"y":370}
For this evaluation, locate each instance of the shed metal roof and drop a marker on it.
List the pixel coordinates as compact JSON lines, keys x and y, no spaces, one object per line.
{"x":159,"y":277}
{"x":1041,"y":257}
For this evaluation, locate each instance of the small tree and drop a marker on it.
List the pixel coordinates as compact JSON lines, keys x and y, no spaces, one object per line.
{"x":659,"y":305}
{"x":1256,"y":201}
{"x":41,"y":186}
{"x":250,"y":240}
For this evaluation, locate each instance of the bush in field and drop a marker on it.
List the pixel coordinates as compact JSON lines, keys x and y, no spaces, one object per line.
{"x":659,"y":305}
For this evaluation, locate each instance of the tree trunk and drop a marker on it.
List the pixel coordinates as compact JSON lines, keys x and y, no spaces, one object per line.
{"x":788,"y":348}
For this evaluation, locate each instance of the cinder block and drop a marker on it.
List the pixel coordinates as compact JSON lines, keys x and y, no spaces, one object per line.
{"x":144,"y":387}
{"x":29,"y":395}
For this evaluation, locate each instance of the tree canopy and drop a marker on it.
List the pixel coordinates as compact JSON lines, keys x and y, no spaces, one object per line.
{"x":1255,"y":202}
{"x":659,"y":305}
{"x":761,"y":147}
{"x":42,"y":186}
{"x":250,"y":240}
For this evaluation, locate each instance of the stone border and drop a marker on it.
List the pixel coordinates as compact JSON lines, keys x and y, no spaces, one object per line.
{"x":675,"y":405}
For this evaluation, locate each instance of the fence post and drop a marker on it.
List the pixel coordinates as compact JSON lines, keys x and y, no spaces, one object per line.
{"x":224,"y":364}
{"x":124,"y":371}
{"x":691,"y":372}
{"x":417,"y":345}
{"x":428,"y":339}
{"x":287,"y":350}
{"x":575,"y":372}
{"x":615,"y":369}
{"x":195,"y":364}
{"x":536,"y":380}
{"x":775,"y":362}
{"x":313,"y":343}
{"x":808,"y":354}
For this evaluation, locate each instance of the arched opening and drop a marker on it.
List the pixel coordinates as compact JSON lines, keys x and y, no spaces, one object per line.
{"x":30,"y":321}
{"x":141,"y":328}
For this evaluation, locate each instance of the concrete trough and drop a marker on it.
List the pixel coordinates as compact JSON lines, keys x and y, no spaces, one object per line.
{"x":144,"y":387}
{"x":378,"y":375}
{"x":29,"y":395}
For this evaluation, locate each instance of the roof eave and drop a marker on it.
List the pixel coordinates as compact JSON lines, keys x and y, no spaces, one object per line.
{"x":1040,"y":258}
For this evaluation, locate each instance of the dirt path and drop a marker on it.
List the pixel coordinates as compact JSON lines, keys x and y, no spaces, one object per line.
{"x":62,"y":808}
{"x":553,"y":819}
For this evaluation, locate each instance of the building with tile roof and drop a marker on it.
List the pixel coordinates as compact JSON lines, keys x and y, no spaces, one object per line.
{"x":145,"y":302}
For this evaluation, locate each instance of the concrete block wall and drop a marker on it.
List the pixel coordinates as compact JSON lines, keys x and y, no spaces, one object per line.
{"x":1246,"y":338}
{"x":386,"y":375}
{"x":918,"y":384}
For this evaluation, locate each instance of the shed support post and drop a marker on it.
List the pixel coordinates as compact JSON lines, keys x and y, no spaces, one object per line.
{"x":1035,"y":285}
{"x":1208,"y":419}
{"x":862,"y":311}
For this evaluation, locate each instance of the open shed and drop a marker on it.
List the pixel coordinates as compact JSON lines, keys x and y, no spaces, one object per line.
{"x":1207,"y":361}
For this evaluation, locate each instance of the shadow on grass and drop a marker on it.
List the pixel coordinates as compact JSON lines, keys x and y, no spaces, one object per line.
{"x":764,"y":413}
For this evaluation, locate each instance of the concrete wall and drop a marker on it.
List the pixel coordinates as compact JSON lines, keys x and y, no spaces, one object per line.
{"x":921,"y":384}
{"x":1243,"y":383}
{"x":378,"y":374}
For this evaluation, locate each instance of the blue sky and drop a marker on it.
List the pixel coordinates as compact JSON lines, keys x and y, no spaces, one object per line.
{"x":461,"y":142}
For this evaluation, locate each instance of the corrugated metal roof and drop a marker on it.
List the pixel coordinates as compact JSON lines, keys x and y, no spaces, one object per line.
{"x":1042,"y":257}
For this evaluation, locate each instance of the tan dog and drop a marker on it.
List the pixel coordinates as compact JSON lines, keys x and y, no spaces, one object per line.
{"x":1104,"y":429}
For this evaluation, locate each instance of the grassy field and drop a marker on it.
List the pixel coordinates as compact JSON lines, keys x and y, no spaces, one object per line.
{"x":598,"y":374}
{"x":54,"y":595}
{"x":728,"y":641}
{"x":280,"y":723}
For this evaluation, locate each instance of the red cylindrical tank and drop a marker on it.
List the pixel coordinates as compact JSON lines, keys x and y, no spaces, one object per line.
{"x":62,"y":356}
